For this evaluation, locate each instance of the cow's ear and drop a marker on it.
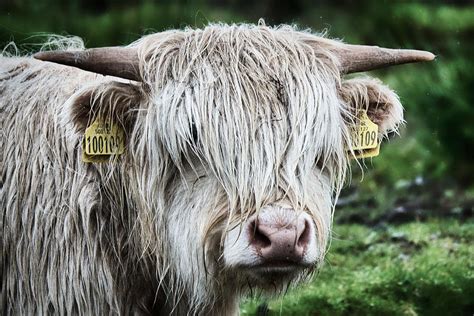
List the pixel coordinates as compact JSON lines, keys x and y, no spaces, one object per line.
{"x":382,"y":104}
{"x":115,"y":101}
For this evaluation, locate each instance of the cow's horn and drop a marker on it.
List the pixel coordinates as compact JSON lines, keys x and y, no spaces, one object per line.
{"x":357,"y":58}
{"x":112,"y":61}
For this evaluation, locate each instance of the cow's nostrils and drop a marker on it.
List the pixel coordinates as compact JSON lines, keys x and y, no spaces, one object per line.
{"x":280,"y":239}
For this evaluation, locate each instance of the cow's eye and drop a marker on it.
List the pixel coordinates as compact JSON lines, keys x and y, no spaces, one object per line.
{"x":320,"y":163}
{"x":194,"y":133}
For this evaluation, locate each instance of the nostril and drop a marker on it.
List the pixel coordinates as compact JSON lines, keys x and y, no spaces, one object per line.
{"x":305,"y":236}
{"x":258,"y":237}
{"x":281,"y":237}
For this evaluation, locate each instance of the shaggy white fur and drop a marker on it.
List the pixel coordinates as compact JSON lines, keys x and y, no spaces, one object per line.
{"x":228,"y":119}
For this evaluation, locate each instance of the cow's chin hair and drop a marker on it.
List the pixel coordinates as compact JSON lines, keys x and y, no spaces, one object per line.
{"x":252,"y":281}
{"x":272,"y":283}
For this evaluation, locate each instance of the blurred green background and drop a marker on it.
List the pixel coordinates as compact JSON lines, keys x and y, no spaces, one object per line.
{"x":403,"y":238}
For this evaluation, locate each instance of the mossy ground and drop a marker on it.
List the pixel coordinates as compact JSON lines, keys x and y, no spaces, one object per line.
{"x":411,"y":269}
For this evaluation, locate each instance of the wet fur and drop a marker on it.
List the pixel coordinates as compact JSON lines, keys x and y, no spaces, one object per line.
{"x":227,"y":120}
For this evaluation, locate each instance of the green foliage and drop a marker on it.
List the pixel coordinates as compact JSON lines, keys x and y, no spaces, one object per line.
{"x":114,"y":27}
{"x":435,"y":145}
{"x":438,"y":96}
{"x":414,"y":269}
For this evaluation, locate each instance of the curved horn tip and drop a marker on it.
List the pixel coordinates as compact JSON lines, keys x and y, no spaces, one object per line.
{"x":430,"y":56}
{"x":44,"y":56}
{"x":425,"y":55}
{"x":55,"y":56}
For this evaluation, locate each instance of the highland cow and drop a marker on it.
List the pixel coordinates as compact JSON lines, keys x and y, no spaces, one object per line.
{"x":237,"y":141}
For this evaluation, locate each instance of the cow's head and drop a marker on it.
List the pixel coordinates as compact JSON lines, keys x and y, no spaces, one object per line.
{"x":237,"y":146}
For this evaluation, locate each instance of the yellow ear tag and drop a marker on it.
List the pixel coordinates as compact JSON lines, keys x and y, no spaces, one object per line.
{"x":365,"y":137}
{"x":102,"y":139}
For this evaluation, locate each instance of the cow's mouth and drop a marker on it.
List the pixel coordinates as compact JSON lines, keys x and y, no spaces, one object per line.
{"x":274,"y":274}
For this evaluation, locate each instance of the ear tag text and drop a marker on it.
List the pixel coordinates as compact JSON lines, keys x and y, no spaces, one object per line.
{"x":365,"y":137}
{"x":102,"y":139}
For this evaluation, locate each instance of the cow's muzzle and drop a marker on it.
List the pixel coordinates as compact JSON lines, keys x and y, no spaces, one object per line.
{"x":278,"y":241}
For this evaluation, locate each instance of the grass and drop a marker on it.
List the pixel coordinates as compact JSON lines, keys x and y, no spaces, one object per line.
{"x":412,"y":269}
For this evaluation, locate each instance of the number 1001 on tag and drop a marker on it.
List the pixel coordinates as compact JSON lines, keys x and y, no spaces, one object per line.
{"x":103,"y":139}
{"x":102,"y":144}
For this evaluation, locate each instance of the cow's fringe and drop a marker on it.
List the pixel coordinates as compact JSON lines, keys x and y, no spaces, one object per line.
{"x":256,"y":105}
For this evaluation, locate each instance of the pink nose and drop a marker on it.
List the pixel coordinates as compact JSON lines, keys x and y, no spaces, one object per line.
{"x":280,"y":237}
